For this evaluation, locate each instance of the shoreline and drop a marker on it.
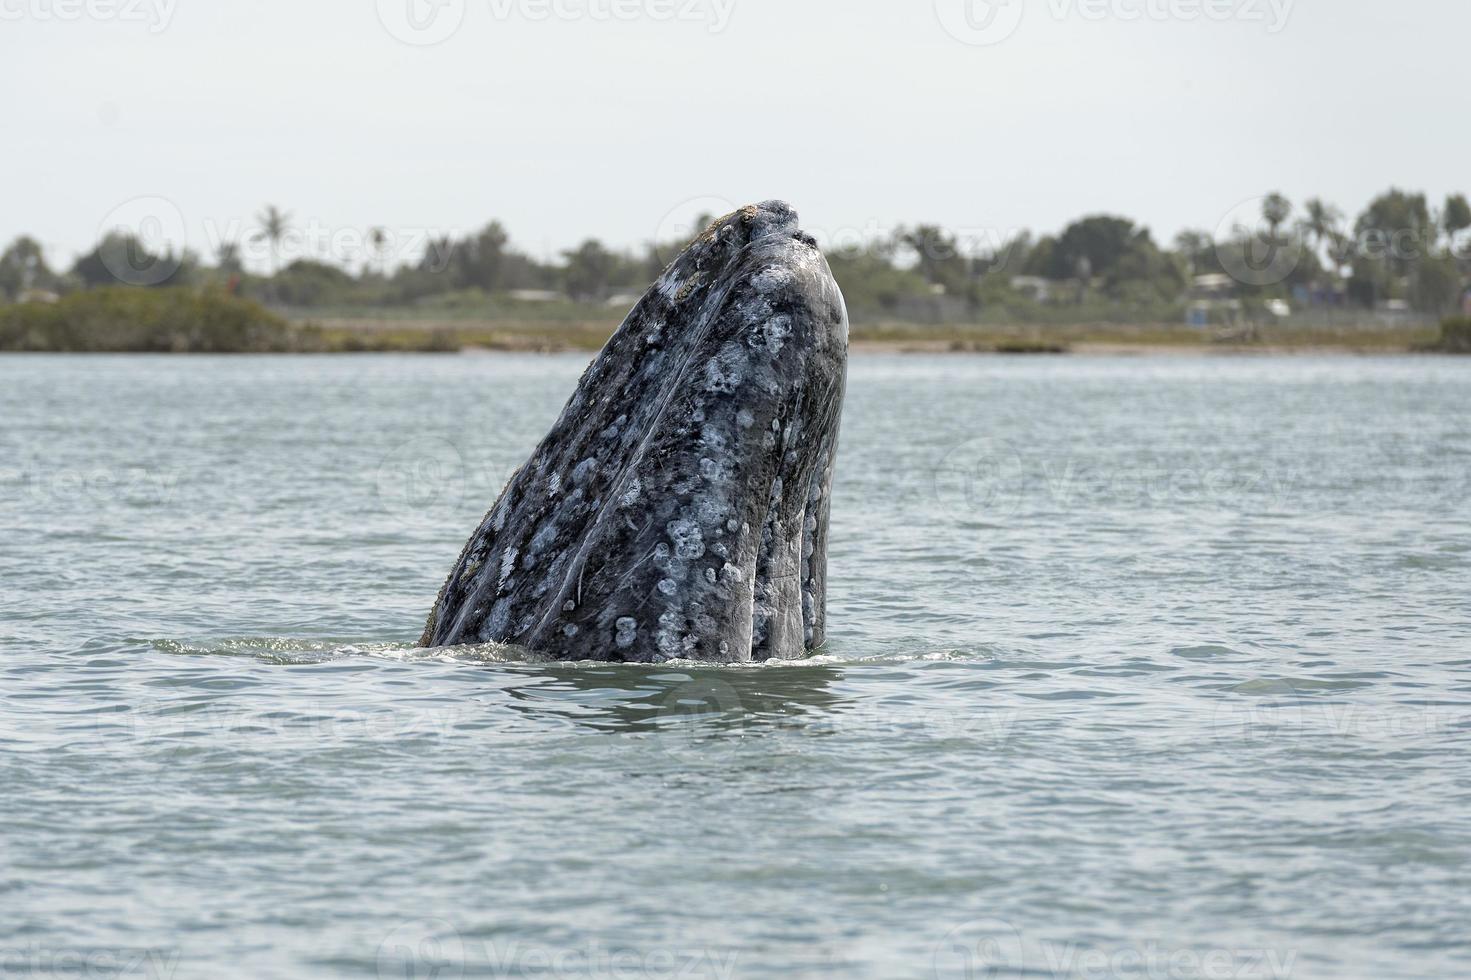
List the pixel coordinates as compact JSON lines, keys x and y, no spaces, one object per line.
{"x":127,"y":321}
{"x":1083,"y":338}
{"x":859,"y":348}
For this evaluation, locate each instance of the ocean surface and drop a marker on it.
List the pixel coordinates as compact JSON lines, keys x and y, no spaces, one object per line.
{"x":1139,"y":667}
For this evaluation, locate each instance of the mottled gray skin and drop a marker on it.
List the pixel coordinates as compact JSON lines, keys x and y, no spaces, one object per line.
{"x":679,"y":507}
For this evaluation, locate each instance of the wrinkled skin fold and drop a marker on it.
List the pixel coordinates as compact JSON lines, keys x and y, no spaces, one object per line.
{"x":678,"y":509}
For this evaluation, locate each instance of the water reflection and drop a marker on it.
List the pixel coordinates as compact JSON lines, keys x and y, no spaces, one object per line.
{"x":624,"y":699}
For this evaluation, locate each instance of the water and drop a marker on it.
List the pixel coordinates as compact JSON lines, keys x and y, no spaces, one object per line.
{"x":1138,"y":667}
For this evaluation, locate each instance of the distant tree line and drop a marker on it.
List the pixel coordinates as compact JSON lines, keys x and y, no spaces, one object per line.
{"x":1399,"y":250}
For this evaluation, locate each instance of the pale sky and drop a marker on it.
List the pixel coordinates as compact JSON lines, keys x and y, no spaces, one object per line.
{"x":622,"y":118}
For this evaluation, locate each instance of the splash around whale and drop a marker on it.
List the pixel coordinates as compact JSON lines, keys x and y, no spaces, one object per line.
{"x":678,"y":509}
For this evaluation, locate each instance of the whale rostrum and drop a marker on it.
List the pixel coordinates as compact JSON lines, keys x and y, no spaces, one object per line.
{"x":678,"y":509}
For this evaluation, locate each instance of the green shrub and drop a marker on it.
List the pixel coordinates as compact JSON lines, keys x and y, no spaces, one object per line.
{"x":1455,"y":334}
{"x":125,"y":318}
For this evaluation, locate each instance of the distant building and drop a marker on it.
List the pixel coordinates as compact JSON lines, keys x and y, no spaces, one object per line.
{"x":1213,"y":302}
{"x":1035,"y":288}
{"x":1212,"y":285}
{"x":535,"y":295}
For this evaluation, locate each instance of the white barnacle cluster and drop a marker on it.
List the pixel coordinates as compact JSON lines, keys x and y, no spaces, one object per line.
{"x":584,"y":470}
{"x":543,"y":537}
{"x":712,"y":438}
{"x":776,"y":330}
{"x":768,"y":439}
{"x":689,"y":540}
{"x":772,"y":278}
{"x":724,"y":372}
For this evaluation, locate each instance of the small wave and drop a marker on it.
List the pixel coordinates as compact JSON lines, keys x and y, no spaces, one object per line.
{"x":298,"y":650}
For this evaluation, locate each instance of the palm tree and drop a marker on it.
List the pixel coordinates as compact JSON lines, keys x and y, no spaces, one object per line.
{"x":227,"y":257}
{"x":1455,"y":217}
{"x":1276,"y":209}
{"x":1341,"y":251}
{"x":1322,"y":221}
{"x":275,"y":224}
{"x":378,"y":242}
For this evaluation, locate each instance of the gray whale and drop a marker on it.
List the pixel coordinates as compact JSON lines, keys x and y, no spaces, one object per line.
{"x":678,"y":509}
